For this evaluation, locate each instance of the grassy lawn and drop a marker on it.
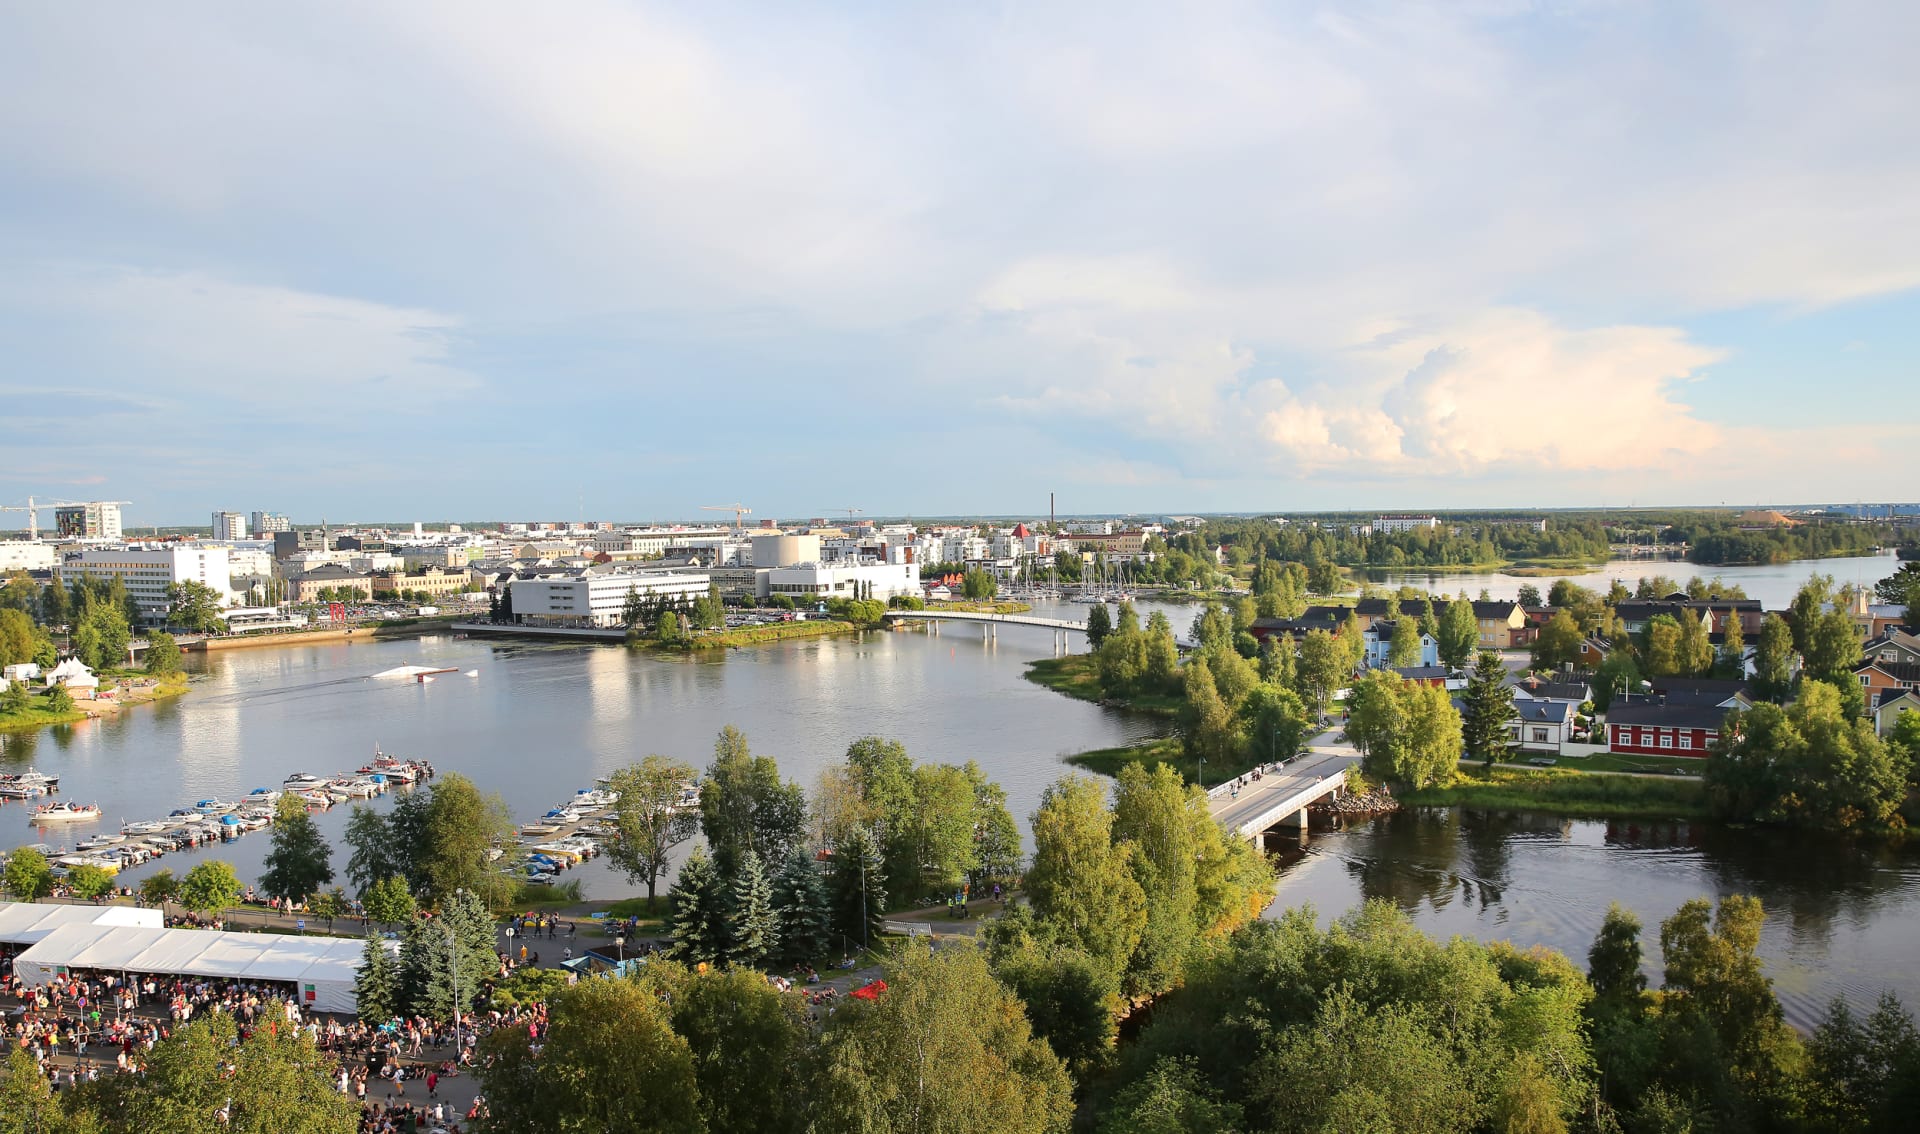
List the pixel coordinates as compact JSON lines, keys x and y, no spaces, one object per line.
{"x":983,"y":606}
{"x":754,"y":635}
{"x":37,"y":714}
{"x":1076,"y":676}
{"x":1165,"y":750}
{"x":1569,"y":793}
{"x":1615,"y":762}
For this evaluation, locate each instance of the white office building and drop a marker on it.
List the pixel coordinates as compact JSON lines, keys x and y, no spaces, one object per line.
{"x":97,"y":520}
{"x":266,"y":523}
{"x":597,"y":600}
{"x":1404,"y":523}
{"x":805,"y":582}
{"x":229,"y":526}
{"x":147,"y":573}
{"x":26,"y":555}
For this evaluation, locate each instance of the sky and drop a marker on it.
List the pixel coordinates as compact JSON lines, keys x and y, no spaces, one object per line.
{"x":447,"y":260}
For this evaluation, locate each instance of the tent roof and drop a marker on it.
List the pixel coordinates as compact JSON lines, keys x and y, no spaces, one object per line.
{"x":199,"y":952}
{"x":25,"y":923}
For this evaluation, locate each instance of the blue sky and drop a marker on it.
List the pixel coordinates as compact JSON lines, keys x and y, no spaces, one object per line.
{"x":496,"y":260}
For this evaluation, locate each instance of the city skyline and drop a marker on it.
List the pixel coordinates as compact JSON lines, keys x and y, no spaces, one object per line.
{"x":621,"y":261}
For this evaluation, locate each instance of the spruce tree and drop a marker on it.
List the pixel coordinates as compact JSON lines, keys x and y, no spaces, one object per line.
{"x":1488,"y":720}
{"x":751,"y":921}
{"x":858,"y":892}
{"x":696,"y":912}
{"x":376,"y":985}
{"x":299,"y":863}
{"x":800,"y":902}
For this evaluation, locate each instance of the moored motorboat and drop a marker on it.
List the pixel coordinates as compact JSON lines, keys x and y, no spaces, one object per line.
{"x":214,"y":806}
{"x":66,"y":812}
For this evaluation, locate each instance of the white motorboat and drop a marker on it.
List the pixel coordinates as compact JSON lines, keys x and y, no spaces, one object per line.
{"x":66,"y":812}
{"x":260,"y":795}
{"x":101,"y":841}
{"x":356,"y":787}
{"x":316,"y":798}
{"x":214,"y":806}
{"x":145,"y":827}
{"x":110,"y":865}
{"x":303,"y":781}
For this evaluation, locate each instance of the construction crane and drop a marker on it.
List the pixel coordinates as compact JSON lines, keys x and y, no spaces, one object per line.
{"x":33,"y":505}
{"x":851,"y":513}
{"x":740,"y":513}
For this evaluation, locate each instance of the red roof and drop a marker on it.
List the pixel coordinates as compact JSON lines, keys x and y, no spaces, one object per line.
{"x":1020,"y":531}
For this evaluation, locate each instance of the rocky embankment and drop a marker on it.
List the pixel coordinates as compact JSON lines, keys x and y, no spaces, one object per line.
{"x":1372,"y":803}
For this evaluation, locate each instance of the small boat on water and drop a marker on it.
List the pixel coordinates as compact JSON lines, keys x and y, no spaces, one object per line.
{"x":214,"y":806}
{"x":354,"y":787}
{"x":66,"y":812}
{"x":540,"y":829}
{"x":392,"y":767}
{"x":28,"y":784}
{"x":303,"y":781}
{"x":145,"y":827}
{"x":110,"y":865}
{"x":101,"y":841}
{"x":316,"y":798}
{"x":262,"y":795}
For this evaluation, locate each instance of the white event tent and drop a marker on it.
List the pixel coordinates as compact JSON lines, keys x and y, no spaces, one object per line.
{"x":321,"y":969}
{"x":25,"y":923}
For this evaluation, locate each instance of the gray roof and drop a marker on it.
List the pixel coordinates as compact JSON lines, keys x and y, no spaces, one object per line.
{"x":1542,"y":712}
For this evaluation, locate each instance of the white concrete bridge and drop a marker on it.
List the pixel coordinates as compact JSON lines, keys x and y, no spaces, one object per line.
{"x":1283,"y":792}
{"x":992,"y":622}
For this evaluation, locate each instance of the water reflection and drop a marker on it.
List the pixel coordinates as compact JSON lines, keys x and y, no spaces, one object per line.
{"x":1841,"y":914}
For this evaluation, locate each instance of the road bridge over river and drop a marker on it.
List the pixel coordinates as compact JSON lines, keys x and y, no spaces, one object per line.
{"x":1283,"y":792}
{"x":992,"y":622}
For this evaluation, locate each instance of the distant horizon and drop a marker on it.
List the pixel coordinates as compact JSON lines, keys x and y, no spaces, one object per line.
{"x":785,"y":519}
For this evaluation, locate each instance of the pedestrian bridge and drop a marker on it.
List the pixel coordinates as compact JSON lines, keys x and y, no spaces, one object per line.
{"x":1283,"y":792}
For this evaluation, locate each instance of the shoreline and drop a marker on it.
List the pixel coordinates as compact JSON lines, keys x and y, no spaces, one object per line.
{"x":93,"y":710}
{"x":411,"y":628}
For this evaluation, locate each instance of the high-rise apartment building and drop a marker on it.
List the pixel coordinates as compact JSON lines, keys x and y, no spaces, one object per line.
{"x":264,"y":524}
{"x":99,"y":520}
{"x":229,"y":525}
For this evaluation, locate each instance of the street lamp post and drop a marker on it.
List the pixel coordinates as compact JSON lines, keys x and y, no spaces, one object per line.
{"x":620,"y":943}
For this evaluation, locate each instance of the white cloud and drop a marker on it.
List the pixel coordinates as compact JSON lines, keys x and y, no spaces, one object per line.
{"x":192,"y":339}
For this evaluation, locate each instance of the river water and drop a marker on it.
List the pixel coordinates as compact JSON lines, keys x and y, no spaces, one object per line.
{"x":1773,"y":584}
{"x":538,"y":721}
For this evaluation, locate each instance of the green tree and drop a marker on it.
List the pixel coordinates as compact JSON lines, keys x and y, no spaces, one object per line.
{"x":996,"y":837}
{"x":1273,"y":722}
{"x":1459,"y":634}
{"x":1731,"y":664}
{"x":195,"y":607}
{"x":1865,"y":1074}
{"x":667,"y":629}
{"x":1809,"y":764}
{"x":458,"y":827}
{"x":389,"y":901}
{"x":1160,"y":655}
{"x":28,"y":876}
{"x":1081,"y":885}
{"x":633,"y":611}
{"x":15,"y":698}
{"x":88,"y":882}
{"x":1487,"y":709}
{"x":1099,"y":625}
{"x":1529,"y":596}
{"x":163,"y":654}
{"x":1696,"y":648}
{"x":209,"y":887}
{"x":1150,"y":812}
{"x":331,"y":905}
{"x":946,"y":1047}
{"x":445,"y":959}
{"x":857,"y":890}
{"x":27,"y":1102}
{"x":744,"y":806}
{"x":977,"y":585}
{"x":1171,"y":1098}
{"x":1559,"y":641}
{"x":377,"y":847}
{"x":697,"y":912}
{"x":1613,"y":963}
{"x":1405,"y":648}
{"x":1663,"y":649}
{"x":608,"y":1045}
{"x":206,"y":1077}
{"x":19,"y":638}
{"x":376,"y":983}
{"x":1072,"y":1002}
{"x":1717,"y":995}
{"x":1409,"y":732}
{"x":159,"y":888}
{"x":1322,"y":669}
{"x":800,"y":906}
{"x":1206,"y":724}
{"x":1832,"y":647}
{"x":753,"y":1052}
{"x":300,"y":861}
{"x":753,"y":926}
{"x":649,"y":819}
{"x":59,"y":700}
